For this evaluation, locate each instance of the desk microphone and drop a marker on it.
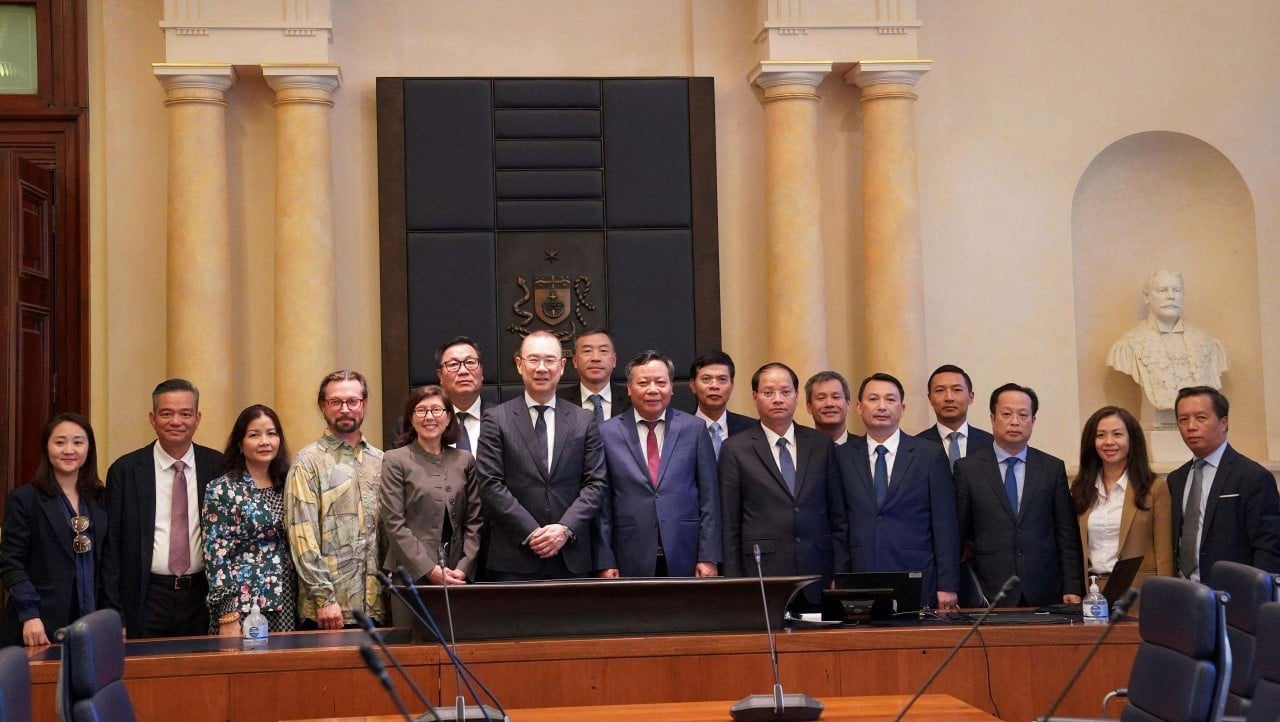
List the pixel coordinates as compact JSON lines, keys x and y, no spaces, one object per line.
{"x":367,"y":625}
{"x":1008,"y":586}
{"x":460,"y":709}
{"x":1121,"y":607}
{"x":776,"y":707}
{"x":379,"y":669}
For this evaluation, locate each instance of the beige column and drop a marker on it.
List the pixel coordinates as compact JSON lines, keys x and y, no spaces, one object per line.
{"x":796,"y":300}
{"x":893,"y":272}
{"x":198,"y":290}
{"x":305,"y":270}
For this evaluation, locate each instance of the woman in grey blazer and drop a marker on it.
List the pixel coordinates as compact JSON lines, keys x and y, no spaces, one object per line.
{"x":430,"y":496}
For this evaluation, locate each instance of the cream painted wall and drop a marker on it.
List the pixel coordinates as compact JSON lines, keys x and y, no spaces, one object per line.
{"x":1008,"y":119}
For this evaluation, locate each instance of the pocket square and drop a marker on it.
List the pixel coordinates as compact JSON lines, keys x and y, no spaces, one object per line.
{"x":1227,"y":496}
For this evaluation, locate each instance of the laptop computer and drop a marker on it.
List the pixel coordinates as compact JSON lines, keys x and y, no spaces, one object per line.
{"x":1122,"y":576}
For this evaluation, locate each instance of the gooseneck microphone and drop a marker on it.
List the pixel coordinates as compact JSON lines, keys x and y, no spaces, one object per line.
{"x":379,"y":670}
{"x":369,"y":628}
{"x":1008,"y":586}
{"x":460,"y":704}
{"x":1121,"y":608}
{"x":776,"y":707}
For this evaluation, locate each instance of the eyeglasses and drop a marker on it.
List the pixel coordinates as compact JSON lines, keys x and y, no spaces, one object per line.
{"x":81,"y":543}
{"x":434,"y":412}
{"x":541,"y":361}
{"x":470,"y":364}
{"x":337,"y":404}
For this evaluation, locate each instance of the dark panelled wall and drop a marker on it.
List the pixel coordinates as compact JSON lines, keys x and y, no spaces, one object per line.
{"x":515,"y":204}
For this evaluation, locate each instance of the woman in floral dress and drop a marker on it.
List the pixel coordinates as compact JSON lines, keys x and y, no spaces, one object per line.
{"x":246,"y":549}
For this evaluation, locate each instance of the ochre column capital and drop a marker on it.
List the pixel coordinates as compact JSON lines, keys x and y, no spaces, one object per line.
{"x":887,"y":78}
{"x":303,"y":83}
{"x":796,"y":79}
{"x":194,"y":83}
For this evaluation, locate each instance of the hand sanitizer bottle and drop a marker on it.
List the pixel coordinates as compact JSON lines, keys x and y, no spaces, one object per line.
{"x":255,"y":629}
{"x":1096,"y":610}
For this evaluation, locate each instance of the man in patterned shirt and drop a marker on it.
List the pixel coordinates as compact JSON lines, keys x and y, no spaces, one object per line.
{"x":335,"y":543}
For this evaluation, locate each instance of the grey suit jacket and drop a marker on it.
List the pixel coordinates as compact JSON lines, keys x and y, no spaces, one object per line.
{"x":519,"y":495}
{"x":419,"y":493}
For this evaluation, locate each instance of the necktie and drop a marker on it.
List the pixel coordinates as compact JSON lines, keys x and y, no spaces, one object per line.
{"x":464,"y":441}
{"x":787,"y":466}
{"x":179,"y":527}
{"x":1189,"y":538}
{"x":880,"y":480}
{"x":540,"y":437}
{"x":651,"y":450}
{"x":1011,"y":482}
{"x":597,"y":402}
{"x":953,"y":449}
{"x":716,"y":440}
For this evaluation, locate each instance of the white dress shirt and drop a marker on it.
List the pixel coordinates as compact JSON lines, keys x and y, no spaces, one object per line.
{"x":642,"y":427}
{"x":1207,"y":475}
{"x":471,"y":427}
{"x":606,"y":394}
{"x":550,"y":418}
{"x":890,"y":444}
{"x":1104,"y":526}
{"x":164,"y":503}
{"x":944,"y":431}
{"x":772,"y":438}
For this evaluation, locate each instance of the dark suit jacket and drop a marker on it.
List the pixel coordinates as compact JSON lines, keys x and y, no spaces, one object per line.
{"x":683,"y":511}
{"x":978,"y":439}
{"x":916,"y":529}
{"x":418,"y":493}
{"x":619,"y":402}
{"x":802,"y":534}
{"x":1241,"y":518}
{"x":36,"y":547}
{"x":131,"y":511}
{"x":1041,"y":543}
{"x":519,"y":495}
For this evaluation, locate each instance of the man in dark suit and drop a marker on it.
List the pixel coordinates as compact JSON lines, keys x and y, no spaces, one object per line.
{"x":1225,"y":505}
{"x":661,"y":516}
{"x":153,"y":504}
{"x":899,"y":497}
{"x":711,"y":380}
{"x":826,"y":395}
{"x":594,"y":358}
{"x":780,"y":490}
{"x":462,"y":377}
{"x":542,"y":474}
{"x":1014,"y":506}
{"x":950,"y":393}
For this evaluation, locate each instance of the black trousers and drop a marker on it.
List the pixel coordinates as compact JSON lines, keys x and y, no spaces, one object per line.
{"x":552,"y":568}
{"x":176,"y":607}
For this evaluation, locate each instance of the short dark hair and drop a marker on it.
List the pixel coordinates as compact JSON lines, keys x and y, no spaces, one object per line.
{"x":342,"y":375}
{"x":755,"y":377}
{"x":887,"y":378}
{"x":714,"y":357}
{"x":649,"y":356}
{"x":416,"y":395}
{"x":1035,"y":400}
{"x":822,"y":377}
{"x":456,"y":341}
{"x":233,"y":461}
{"x":88,"y":484}
{"x":1221,"y":406}
{"x":599,"y":331}
{"x":169,"y":386}
{"x":949,"y":369}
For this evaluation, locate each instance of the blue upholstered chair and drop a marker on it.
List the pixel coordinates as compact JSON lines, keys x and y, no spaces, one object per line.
{"x":1265,"y":706}
{"x":1249,"y":588}
{"x":89,"y":681}
{"x":15,"y":685}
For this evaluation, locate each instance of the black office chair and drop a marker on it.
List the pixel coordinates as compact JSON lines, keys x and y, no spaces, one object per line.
{"x":1249,"y":588}
{"x":89,"y":684}
{"x":15,"y":685}
{"x":1183,"y":665}
{"x":1265,"y":706}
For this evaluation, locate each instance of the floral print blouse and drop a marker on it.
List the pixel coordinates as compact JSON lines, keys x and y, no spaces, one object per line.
{"x":246,"y":549}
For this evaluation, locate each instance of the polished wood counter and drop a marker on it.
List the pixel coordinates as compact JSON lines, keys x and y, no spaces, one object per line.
{"x":1010,"y":671}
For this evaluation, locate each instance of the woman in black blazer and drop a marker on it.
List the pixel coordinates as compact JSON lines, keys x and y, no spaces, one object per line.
{"x":56,"y":560}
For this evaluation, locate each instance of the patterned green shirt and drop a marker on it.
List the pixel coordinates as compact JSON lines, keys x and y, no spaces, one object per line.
{"x":331,"y":510}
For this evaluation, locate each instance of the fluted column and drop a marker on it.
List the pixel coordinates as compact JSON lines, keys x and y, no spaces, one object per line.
{"x":796,"y":301}
{"x":198,"y":267}
{"x":893,"y":272}
{"x":305,"y":273}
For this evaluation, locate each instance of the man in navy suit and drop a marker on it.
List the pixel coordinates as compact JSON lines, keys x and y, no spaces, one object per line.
{"x":826,"y":395}
{"x":950,"y":393}
{"x":780,"y":491}
{"x":594,"y":358}
{"x":1014,"y":505}
{"x":1225,"y":505}
{"x":711,"y":380}
{"x":542,"y":474}
{"x":899,"y":497}
{"x":162,"y":581}
{"x":661,"y":515}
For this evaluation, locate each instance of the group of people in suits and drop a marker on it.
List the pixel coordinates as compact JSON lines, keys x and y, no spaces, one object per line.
{"x":610,"y":480}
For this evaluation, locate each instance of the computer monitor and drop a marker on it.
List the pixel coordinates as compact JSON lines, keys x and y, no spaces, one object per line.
{"x":864,"y":596}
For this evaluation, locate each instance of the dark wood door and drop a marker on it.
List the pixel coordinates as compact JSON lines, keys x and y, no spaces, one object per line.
{"x":26,"y":315}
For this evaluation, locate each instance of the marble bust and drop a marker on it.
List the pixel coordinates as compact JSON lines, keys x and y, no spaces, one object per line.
{"x":1163,"y":353}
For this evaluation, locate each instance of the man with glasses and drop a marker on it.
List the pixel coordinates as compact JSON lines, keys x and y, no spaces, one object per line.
{"x":542,"y":474}
{"x":331,"y":512}
{"x":462,"y":377}
{"x":153,"y":507}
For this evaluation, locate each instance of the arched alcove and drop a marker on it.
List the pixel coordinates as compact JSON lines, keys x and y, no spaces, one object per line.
{"x":1156,"y":200}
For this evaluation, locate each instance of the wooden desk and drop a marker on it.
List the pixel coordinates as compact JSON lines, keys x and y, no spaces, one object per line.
{"x":880,"y":708}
